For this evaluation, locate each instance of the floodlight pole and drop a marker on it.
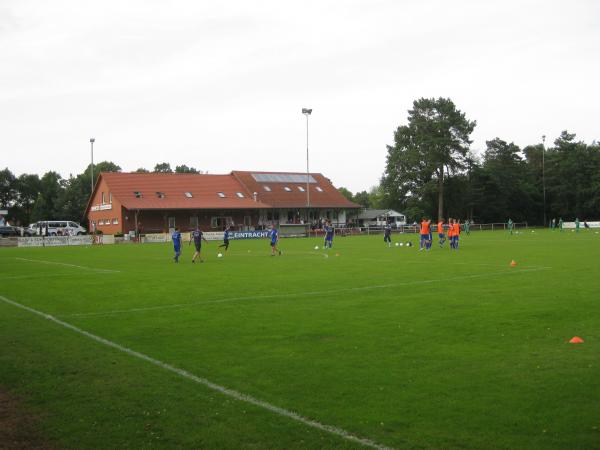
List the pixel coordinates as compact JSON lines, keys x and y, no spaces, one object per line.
{"x":307,"y":113}
{"x":92,"y":140}
{"x":544,"y":174}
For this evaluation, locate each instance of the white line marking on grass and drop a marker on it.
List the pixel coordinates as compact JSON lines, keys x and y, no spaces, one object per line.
{"x":300,"y":294}
{"x":203,"y":381}
{"x":93,"y":269}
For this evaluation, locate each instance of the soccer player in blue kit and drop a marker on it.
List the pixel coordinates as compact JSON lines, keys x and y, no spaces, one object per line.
{"x":329,"y":231}
{"x":274,"y":234}
{"x":197,"y":237}
{"x":176,"y":237}
{"x":225,"y":239}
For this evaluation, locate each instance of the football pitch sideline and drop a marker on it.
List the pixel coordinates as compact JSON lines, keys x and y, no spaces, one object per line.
{"x":356,"y":346}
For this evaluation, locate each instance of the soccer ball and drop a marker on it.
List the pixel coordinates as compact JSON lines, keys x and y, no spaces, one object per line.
{"x":316,"y":247}
{"x":408,"y":244}
{"x":220,"y":255}
{"x":401,"y":244}
{"x":397,"y":244}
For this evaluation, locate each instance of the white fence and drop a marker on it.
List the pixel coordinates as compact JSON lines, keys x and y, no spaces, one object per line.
{"x":54,"y":241}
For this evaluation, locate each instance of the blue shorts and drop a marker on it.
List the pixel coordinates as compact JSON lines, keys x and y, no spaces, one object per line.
{"x":441,"y":235}
{"x":273,"y":243}
{"x":424,"y":237}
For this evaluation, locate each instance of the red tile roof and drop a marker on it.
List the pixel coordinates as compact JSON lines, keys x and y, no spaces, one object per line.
{"x":327,"y":197}
{"x":204,"y":189}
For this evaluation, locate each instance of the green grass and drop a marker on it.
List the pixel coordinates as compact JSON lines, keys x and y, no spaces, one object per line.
{"x":432,"y":350}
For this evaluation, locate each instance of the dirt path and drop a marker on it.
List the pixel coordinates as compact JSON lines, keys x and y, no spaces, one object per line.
{"x":19,"y":430}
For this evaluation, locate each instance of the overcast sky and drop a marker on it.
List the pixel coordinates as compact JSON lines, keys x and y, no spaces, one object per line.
{"x":220,"y":85}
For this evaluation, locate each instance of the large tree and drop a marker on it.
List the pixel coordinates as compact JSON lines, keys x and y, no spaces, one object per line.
{"x":185,"y":169}
{"x":432,"y":147}
{"x":163,"y":168}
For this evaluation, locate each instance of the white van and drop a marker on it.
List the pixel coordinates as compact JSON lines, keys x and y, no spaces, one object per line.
{"x":59,"y":228}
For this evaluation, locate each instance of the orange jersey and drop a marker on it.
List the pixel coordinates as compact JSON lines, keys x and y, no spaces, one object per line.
{"x":425,"y":226}
{"x":456,"y":229}
{"x":450,"y":229}
{"x":440,"y":227}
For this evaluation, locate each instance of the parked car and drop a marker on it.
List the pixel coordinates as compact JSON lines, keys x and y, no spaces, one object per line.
{"x":8,"y":231}
{"x":60,"y":227}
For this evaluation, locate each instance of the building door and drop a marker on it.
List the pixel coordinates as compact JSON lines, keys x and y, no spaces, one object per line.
{"x":171,"y":224}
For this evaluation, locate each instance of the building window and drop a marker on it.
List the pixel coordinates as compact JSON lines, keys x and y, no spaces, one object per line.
{"x":194,"y":221}
{"x":319,"y":189}
{"x":301,"y":189}
{"x":115,"y":221}
{"x":171,"y":222}
{"x":102,"y":198}
{"x":220,"y":222}
{"x":160,"y":194}
{"x":273,"y":215}
{"x":247,"y":221}
{"x":110,"y":197}
{"x":221,"y":194}
{"x":137,"y":194}
{"x":287,"y":189}
{"x":101,"y":222}
{"x":239,"y":194}
{"x":267,"y":188}
{"x":188,"y":195}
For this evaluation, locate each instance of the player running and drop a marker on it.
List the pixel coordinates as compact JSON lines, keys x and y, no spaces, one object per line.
{"x":387,"y":235}
{"x":425,"y":242}
{"x":329,"y":232}
{"x":510,"y":226}
{"x":560,"y":224}
{"x":176,"y":237}
{"x":441,"y":235}
{"x":197,"y":236}
{"x":577,"y":224}
{"x":274,"y":234}
{"x":225,"y":239}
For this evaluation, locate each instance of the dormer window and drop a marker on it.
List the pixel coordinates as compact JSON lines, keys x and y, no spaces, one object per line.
{"x":188,"y":195}
{"x":239,"y":194}
{"x":221,"y":194}
{"x":137,"y":194}
{"x":301,"y":189}
{"x":267,"y":188}
{"x":160,"y":194}
{"x":287,"y":189}
{"x":319,"y":189}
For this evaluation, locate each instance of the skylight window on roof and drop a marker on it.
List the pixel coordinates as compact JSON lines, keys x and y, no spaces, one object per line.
{"x":137,"y":194}
{"x":282,"y":178}
{"x":239,"y":194}
{"x":160,"y":194}
{"x":267,"y":188}
{"x":221,"y":194}
{"x":188,"y":195}
{"x":287,"y":189}
{"x":301,"y":189}
{"x":319,"y":189}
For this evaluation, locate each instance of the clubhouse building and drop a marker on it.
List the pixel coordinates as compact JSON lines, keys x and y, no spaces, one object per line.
{"x":159,"y":202}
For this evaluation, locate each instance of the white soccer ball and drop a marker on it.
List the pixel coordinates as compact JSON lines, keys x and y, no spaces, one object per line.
{"x":397,"y":244}
{"x":401,"y":244}
{"x":220,"y":255}
{"x":316,"y":247}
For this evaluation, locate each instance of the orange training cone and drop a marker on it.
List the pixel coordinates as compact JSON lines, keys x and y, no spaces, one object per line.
{"x":576,"y":340}
{"x":513,"y":263}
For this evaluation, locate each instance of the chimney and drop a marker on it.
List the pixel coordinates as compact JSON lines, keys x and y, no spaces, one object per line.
{"x":255,"y":196}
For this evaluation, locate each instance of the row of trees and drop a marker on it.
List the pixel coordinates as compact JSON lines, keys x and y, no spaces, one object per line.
{"x":30,"y":198}
{"x":431,"y":171}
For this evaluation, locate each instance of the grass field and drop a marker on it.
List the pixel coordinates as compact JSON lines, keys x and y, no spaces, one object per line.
{"x":403,"y":348}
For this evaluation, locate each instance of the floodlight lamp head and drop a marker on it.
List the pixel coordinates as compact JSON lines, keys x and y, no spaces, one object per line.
{"x":92,"y":140}
{"x":306,"y":111}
